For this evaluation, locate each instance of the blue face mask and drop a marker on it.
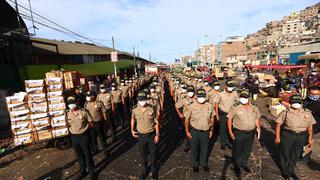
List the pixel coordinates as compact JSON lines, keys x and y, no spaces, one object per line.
{"x":314,"y":97}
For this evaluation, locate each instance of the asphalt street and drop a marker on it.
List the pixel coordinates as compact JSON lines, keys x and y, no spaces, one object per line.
{"x":42,"y":161}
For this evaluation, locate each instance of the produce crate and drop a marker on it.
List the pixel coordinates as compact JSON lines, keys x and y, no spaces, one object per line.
{"x":34,"y":83}
{"x":42,"y":135}
{"x":58,"y":132}
{"x":23,"y":139}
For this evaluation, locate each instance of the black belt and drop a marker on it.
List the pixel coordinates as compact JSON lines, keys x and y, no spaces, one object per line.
{"x":242,"y":131}
{"x":295,"y":133}
{"x":80,"y":135}
{"x":146,"y":134}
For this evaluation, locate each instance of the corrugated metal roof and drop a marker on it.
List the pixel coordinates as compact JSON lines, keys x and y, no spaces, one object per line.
{"x":73,"y":48}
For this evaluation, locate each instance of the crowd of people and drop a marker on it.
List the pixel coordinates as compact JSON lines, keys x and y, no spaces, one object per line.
{"x":206,"y":108}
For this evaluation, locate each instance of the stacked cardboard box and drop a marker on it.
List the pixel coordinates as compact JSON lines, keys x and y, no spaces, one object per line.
{"x":20,"y":120}
{"x":38,"y":105}
{"x":71,"y":79}
{"x":57,"y":107}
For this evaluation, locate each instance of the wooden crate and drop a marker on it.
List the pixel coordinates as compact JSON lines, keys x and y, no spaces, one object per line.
{"x":42,"y":135}
{"x":34,"y":83}
{"x":23,"y":139}
{"x":63,"y":131}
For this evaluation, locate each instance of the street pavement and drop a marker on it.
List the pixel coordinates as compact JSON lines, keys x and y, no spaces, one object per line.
{"x":42,"y":161}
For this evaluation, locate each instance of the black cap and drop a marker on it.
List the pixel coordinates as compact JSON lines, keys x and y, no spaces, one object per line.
{"x":79,"y":87}
{"x":71,"y":100}
{"x":152,"y":86}
{"x":216,"y":83}
{"x":231,"y":84}
{"x":90,"y":93}
{"x":245,"y":93}
{"x":201,"y":93}
{"x":190,"y":89}
{"x":142,"y":96}
{"x":295,"y":99}
{"x":183,"y":86}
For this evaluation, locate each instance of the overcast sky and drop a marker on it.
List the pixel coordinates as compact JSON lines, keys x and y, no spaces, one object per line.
{"x":169,"y":28}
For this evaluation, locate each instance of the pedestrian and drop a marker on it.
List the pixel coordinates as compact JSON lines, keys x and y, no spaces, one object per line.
{"x":118,"y":101}
{"x":312,"y":103}
{"x":145,"y":127}
{"x":79,"y":122}
{"x":105,"y":97}
{"x":243,"y":123}
{"x":80,"y":98}
{"x":224,"y":101}
{"x":297,"y":127}
{"x":97,"y":111}
{"x":199,"y":129}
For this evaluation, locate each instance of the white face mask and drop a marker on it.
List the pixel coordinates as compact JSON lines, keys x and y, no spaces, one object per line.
{"x":230,"y":89}
{"x":201,"y":100}
{"x":122,"y":84}
{"x":155,"y":83}
{"x":217,"y":88}
{"x":314,"y":73}
{"x":113,"y":88}
{"x":296,"y":105}
{"x":206,"y":83}
{"x":200,"y":80}
{"x":184,"y":90}
{"x":142,"y":103}
{"x":72,"y":106}
{"x":88,"y":98}
{"x":244,"y":100}
{"x":102,"y":90}
{"x":190,"y":94}
{"x":152,"y":90}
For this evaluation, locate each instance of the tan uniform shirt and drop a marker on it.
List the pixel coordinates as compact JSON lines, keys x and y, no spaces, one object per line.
{"x":199,"y":85}
{"x":297,"y":121}
{"x":145,"y":118}
{"x":116,"y":96}
{"x":125,"y":91}
{"x":244,"y":117}
{"x":106,"y":99}
{"x":78,"y":121}
{"x":226,"y":100}
{"x":200,"y":116}
{"x":95,"y":110}
{"x":185,"y":103}
{"x":212,"y":95}
{"x":155,"y":96}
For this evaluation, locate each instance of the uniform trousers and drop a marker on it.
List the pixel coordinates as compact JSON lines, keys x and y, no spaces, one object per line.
{"x":147,"y":147}
{"x":199,"y":147}
{"x":291,"y":149}
{"x":111,"y":124}
{"x":118,"y":114}
{"x":223,"y":130}
{"x":242,"y":146}
{"x":81,"y":146}
{"x":98,"y":130}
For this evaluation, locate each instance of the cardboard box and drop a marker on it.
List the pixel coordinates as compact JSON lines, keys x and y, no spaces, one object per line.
{"x":42,"y":135}
{"x":37,"y":97}
{"x":277,"y":109}
{"x":34,"y":83}
{"x":60,"y":132}
{"x":23,"y":139}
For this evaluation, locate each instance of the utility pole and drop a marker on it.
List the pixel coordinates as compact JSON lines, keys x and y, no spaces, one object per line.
{"x":134,"y":61}
{"x":114,"y":63}
{"x":31,"y":14}
{"x":150,"y":57}
{"x":18,"y":18}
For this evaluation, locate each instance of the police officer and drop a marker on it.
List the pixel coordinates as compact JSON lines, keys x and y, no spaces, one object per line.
{"x":243,"y":123}
{"x":105,"y":97}
{"x":78,"y":124}
{"x":312,"y":103}
{"x":145,"y":127}
{"x":297,"y":127}
{"x":199,"y":129}
{"x":154,"y":101}
{"x":182,"y":107}
{"x":125,"y":94}
{"x":80,"y":98}
{"x":118,"y":101}
{"x":214,"y":92}
{"x":224,"y":101}
{"x":97,"y":111}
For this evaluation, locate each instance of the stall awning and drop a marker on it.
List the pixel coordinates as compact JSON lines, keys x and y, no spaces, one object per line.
{"x":315,"y":56}
{"x":276,"y":66}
